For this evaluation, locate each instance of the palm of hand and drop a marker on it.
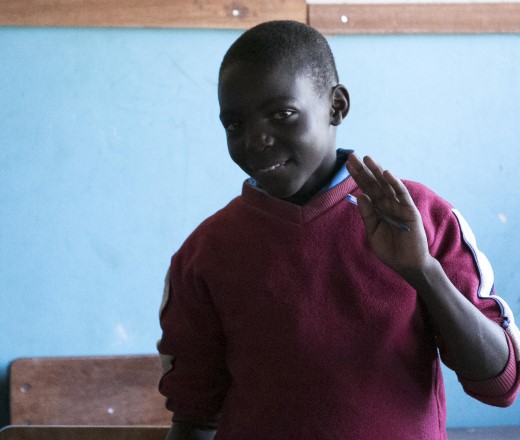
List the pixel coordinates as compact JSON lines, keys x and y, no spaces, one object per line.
{"x":385,"y":197}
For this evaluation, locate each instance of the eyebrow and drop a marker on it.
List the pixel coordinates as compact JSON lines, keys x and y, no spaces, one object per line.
{"x":276,"y":100}
{"x":267,"y":103}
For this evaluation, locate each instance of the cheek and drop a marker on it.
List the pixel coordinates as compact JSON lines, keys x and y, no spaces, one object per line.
{"x":237,"y":154}
{"x":312,"y":132}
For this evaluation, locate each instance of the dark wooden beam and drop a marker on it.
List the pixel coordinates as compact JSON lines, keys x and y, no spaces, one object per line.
{"x":415,"y":18}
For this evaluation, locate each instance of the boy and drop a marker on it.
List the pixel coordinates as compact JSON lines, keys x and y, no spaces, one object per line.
{"x":293,"y":314}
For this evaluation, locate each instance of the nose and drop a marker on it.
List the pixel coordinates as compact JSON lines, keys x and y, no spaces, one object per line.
{"x":258,"y":137}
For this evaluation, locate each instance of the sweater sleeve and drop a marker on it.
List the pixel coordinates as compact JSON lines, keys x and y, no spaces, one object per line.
{"x":454,"y":245}
{"x":500,"y":390}
{"x":195,"y":379}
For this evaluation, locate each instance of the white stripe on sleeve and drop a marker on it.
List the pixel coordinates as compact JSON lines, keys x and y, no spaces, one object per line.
{"x":166,"y":360}
{"x":487,"y":280}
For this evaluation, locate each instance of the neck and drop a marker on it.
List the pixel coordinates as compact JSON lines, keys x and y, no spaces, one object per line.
{"x":302,"y":198}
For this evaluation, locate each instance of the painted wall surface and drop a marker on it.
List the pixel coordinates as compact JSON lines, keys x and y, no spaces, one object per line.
{"x":111,"y":152}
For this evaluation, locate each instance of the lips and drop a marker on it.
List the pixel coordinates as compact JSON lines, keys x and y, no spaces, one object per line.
{"x":269,"y":167}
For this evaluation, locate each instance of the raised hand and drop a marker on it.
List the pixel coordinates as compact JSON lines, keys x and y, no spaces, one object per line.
{"x":477,"y":345}
{"x":385,"y":196}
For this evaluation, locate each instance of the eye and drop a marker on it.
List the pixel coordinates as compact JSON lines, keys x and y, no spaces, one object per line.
{"x":283,"y":114}
{"x":232,"y":126}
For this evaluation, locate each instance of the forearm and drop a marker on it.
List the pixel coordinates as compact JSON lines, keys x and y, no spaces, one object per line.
{"x":190,"y":431}
{"x":478,"y":347}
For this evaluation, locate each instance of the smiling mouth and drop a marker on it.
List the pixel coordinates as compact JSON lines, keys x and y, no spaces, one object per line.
{"x":271,"y":168}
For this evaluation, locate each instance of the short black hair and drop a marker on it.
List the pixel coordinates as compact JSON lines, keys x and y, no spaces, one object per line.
{"x":273,"y":42}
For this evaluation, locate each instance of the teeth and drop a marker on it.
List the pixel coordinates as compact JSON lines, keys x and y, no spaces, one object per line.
{"x":271,"y":168}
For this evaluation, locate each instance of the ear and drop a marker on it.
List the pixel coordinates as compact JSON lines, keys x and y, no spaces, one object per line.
{"x":340,"y":104}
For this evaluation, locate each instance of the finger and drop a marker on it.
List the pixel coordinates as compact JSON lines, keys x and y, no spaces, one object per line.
{"x":363,"y":177}
{"x":374,"y":167}
{"x":400,"y":190}
{"x":379,"y":174}
{"x":354,"y":165}
{"x":368,"y":214}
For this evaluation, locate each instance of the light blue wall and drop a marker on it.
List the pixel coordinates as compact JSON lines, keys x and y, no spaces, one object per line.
{"x":111,"y":153}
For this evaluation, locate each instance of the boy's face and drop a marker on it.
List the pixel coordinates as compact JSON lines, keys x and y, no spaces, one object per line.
{"x":278,"y":128}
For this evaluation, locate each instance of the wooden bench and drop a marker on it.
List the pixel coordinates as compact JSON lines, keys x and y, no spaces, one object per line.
{"x":106,"y":392}
{"x":92,"y":390}
{"x":83,"y":433}
{"x":159,"y":433}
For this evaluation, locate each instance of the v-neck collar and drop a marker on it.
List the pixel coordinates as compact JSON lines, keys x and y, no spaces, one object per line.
{"x":295,"y":213}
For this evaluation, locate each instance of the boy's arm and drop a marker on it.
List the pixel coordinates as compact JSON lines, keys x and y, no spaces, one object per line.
{"x":191,"y":349}
{"x":478,"y":347}
{"x":190,"y":431}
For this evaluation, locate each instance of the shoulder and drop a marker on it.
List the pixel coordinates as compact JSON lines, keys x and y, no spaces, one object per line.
{"x":446,"y":229}
{"x":438,"y":215}
{"x":430,"y":204}
{"x":222,"y":218}
{"x":424,"y":196}
{"x":216,"y":230}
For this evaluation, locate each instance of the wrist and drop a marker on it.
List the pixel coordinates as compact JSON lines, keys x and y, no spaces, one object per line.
{"x":424,"y":275}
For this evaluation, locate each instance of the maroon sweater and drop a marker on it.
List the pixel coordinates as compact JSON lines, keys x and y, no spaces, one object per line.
{"x":281,"y":323}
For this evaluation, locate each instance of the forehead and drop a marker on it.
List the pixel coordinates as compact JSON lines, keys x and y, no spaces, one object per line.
{"x":243,"y":84}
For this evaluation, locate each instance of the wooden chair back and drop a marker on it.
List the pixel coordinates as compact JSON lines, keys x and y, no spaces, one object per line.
{"x":92,"y":390}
